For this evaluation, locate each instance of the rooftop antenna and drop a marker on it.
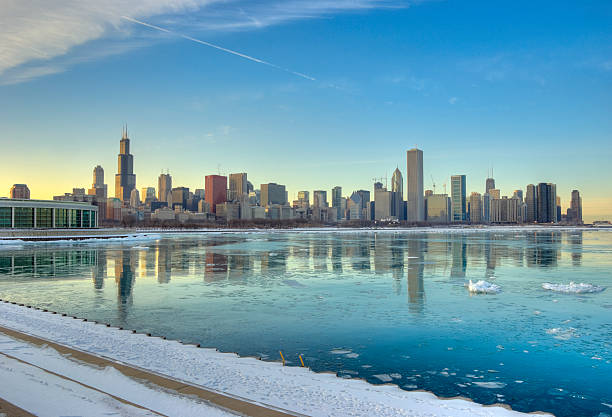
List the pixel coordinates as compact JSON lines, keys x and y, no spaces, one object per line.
{"x":434,"y":184}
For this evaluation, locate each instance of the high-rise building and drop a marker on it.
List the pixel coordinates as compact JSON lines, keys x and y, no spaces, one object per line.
{"x":495,"y":194}
{"x":319,"y":199}
{"x":164,"y":187}
{"x":574,"y":212}
{"x":180,"y":195}
{"x":215,"y":190}
{"x":98,"y":188}
{"x":438,"y":208}
{"x":20,"y":191}
{"x":336,"y":194}
{"x":518,"y":194}
{"x":272,"y":193}
{"x":546,"y":197}
{"x":415,"y":205}
{"x":458,"y":198}
{"x":475,"y":208}
{"x":303,"y":199}
{"x":531,"y":212}
{"x":134,"y":198}
{"x":486,"y":208}
{"x":397,"y":188}
{"x":505,"y":210}
{"x":383,"y":201}
{"x":238,"y":186}
{"x":125,"y":180}
{"x":489,"y":185}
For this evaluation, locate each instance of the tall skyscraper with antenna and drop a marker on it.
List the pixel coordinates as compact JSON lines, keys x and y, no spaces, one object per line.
{"x":125,"y":180}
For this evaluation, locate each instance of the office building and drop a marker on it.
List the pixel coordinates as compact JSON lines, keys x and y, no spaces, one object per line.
{"x":495,"y":194}
{"x":336,"y":195}
{"x":20,"y":191}
{"x":458,"y":198}
{"x":546,"y":199}
{"x":397,"y":188}
{"x":415,"y":205}
{"x":44,"y":214}
{"x":489,"y":185}
{"x":134,"y":198}
{"x":98,"y":188}
{"x":180,"y":196}
{"x":438,"y":208}
{"x":215,"y":190}
{"x":319,"y":198}
{"x":125,"y":180}
{"x":164,"y":187}
{"x":238,"y":186}
{"x":475,"y":208}
{"x":518,"y":194}
{"x":486,"y":208}
{"x":574,"y":212}
{"x":272,"y":193}
{"x":531,"y":212}
{"x":383,"y":202}
{"x":505,"y":210}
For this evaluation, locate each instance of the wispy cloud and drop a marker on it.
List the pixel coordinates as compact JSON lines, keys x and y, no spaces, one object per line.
{"x":37,"y":32}
{"x":453,"y":100}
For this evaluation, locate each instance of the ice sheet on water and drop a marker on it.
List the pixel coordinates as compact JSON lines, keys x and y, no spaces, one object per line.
{"x":573,"y":288}
{"x":560,"y":333}
{"x":384,"y":377}
{"x":489,"y":384}
{"x":293,"y":283}
{"x":483,"y":287}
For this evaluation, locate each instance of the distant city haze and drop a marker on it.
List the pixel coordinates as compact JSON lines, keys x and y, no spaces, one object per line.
{"x":475,"y":85}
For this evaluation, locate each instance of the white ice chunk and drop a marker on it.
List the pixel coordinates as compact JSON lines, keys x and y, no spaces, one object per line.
{"x":573,"y":288}
{"x":483,"y":287}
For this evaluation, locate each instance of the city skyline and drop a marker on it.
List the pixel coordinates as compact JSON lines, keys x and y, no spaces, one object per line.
{"x":527,"y":98}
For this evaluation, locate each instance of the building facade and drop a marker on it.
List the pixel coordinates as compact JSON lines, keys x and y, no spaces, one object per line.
{"x":475,"y":208}
{"x":272,"y":193}
{"x":20,"y":191}
{"x":98,"y":188}
{"x":531,"y":212}
{"x":164,"y":187}
{"x":415,"y":205}
{"x":238,"y":186}
{"x":215,"y":190}
{"x":319,"y":198}
{"x":125,"y":180}
{"x":458,"y":198}
{"x":45,"y":214}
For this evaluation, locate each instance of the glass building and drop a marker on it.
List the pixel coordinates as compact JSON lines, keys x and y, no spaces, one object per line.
{"x":458,"y":198}
{"x":43,"y":214}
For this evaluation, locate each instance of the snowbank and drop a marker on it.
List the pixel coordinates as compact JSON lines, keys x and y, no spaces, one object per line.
{"x":483,"y":287}
{"x":292,"y":388}
{"x":573,"y":288}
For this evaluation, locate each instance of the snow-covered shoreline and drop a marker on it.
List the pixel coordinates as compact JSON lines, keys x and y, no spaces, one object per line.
{"x":292,"y":388}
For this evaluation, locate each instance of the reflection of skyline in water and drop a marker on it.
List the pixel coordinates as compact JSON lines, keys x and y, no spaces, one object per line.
{"x":224,"y":257}
{"x":396,"y":299}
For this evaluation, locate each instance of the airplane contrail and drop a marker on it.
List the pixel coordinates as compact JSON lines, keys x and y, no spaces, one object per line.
{"x":220,"y":48}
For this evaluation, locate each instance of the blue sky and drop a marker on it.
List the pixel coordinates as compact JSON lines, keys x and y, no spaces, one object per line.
{"x":524,"y":87}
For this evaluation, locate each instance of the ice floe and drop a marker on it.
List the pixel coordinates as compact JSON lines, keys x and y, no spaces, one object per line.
{"x":489,"y":384}
{"x":483,"y":287}
{"x":561,"y":333}
{"x":573,"y":288}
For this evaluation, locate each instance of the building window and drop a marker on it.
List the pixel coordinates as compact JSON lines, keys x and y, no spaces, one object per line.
{"x":72,"y":213}
{"x":44,"y":217}
{"x":24,"y":217}
{"x":6,"y":220}
{"x":79,"y":218}
{"x":93,"y":219}
{"x":61,"y":217}
{"x":86,"y":218}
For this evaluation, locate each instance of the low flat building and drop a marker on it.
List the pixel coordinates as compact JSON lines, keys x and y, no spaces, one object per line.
{"x":46,"y":214}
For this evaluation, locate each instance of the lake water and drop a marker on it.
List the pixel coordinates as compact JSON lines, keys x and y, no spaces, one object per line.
{"x":384,"y":306}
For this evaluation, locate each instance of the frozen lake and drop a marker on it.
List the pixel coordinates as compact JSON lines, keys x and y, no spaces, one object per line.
{"x":384,"y":306}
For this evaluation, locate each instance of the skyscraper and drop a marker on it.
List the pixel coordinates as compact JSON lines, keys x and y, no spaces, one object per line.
{"x":319,"y":199}
{"x":546,"y":198}
{"x":304,"y":199}
{"x":98,"y":188}
{"x":215,"y":190}
{"x":164,"y":187}
{"x":475,"y":208}
{"x":489,"y":185}
{"x":458,"y":196}
{"x":125,"y":180}
{"x":574,"y":212}
{"x":397,"y":188}
{"x":272,"y":193}
{"x":414,"y":186}
{"x":531,"y":214}
{"x":336,"y":193}
{"x":238,"y":186}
